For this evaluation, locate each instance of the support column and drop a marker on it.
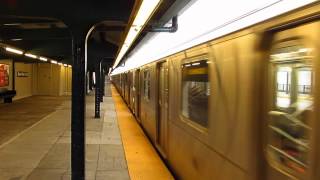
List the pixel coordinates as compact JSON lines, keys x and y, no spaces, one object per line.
{"x":101,"y":82}
{"x":13,"y":75}
{"x":97,"y":91}
{"x":78,"y":110}
{"x":90,"y":80}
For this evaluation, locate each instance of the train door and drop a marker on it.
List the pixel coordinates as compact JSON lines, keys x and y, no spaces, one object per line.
{"x":290,"y":133}
{"x":124,"y":86}
{"x":162,"y":120}
{"x":137,"y":90}
{"x":128,"y":89}
{"x":132,"y":89}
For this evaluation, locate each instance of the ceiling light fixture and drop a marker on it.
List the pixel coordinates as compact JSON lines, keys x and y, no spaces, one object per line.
{"x":146,"y":9}
{"x":43,"y":59}
{"x":54,"y":62}
{"x":65,"y":65}
{"x":16,"y":39}
{"x":240,"y":15}
{"x":12,"y":24}
{"x":60,"y":63}
{"x":69,"y":66}
{"x":31,"y":55}
{"x":16,"y":51}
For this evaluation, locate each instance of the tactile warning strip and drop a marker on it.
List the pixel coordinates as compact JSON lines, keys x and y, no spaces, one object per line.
{"x":142,"y":159}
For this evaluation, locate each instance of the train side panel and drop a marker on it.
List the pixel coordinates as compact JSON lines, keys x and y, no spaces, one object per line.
{"x":227,"y":137}
{"x":148,"y":100}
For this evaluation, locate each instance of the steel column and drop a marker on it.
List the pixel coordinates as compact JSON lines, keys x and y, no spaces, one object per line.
{"x":13,"y":75}
{"x":101,"y":82}
{"x":78,"y":111}
{"x":97,"y":91}
{"x":90,"y":80}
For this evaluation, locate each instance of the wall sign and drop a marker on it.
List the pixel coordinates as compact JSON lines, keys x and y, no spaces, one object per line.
{"x":4,"y":75}
{"x":22,"y":74}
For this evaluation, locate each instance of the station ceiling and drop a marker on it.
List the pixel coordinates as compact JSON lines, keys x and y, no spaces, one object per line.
{"x":45,"y":27}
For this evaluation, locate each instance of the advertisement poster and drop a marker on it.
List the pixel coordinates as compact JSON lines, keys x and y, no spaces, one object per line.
{"x":4,"y":75}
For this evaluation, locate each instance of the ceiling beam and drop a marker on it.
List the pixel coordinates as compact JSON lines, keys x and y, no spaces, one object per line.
{"x":8,"y":34}
{"x":109,"y":28}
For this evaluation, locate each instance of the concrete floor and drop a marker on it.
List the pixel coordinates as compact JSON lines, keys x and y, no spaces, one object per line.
{"x":40,"y":147}
{"x":42,"y":151}
{"x":23,"y":113}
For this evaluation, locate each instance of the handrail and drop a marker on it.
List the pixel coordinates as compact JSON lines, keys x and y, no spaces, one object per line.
{"x":288,"y":136}
{"x":287,"y":156}
{"x":291,"y":118}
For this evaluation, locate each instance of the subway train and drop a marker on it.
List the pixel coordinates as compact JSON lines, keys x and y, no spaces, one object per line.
{"x":238,"y":107}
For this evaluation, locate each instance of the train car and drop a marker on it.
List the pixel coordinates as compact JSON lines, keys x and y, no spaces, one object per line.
{"x":242,"y":106}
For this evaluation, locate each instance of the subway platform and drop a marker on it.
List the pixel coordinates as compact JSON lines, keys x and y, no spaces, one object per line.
{"x":35,"y":142}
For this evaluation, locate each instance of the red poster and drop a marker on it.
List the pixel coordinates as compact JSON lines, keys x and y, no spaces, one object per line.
{"x":4,"y":75}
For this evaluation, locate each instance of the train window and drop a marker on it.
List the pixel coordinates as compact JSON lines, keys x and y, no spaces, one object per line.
{"x":288,"y":124}
{"x":146,"y":84}
{"x":195,"y":92}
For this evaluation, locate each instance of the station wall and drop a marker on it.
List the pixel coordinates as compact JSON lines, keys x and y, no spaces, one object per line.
{"x":65,"y":81}
{"x":23,"y":80}
{"x":38,"y":79}
{"x":52,"y":80}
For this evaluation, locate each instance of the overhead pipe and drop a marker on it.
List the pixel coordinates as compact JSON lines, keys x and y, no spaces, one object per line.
{"x":172,"y":29}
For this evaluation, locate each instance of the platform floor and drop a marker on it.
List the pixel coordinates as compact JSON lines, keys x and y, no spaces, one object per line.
{"x":23,"y":113}
{"x":143,"y":161}
{"x":42,"y":149}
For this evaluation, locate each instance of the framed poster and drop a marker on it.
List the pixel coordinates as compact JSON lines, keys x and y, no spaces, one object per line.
{"x":4,"y":75}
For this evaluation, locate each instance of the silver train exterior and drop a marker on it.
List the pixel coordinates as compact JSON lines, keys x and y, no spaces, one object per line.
{"x":243,"y":106}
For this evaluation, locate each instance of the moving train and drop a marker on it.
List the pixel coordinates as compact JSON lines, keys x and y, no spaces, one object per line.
{"x":238,"y":107}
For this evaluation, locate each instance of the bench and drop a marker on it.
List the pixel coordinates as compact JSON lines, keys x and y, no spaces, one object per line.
{"x":8,"y":95}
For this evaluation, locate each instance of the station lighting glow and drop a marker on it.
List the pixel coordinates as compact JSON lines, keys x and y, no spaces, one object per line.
{"x":54,"y":62}
{"x":17,"y":39}
{"x":16,"y":51}
{"x":65,"y":65}
{"x":43,"y":59}
{"x":31,"y":55}
{"x":60,"y":63}
{"x":12,"y":24}
{"x":69,"y":66}
{"x":197,"y":25}
{"x":145,"y":11}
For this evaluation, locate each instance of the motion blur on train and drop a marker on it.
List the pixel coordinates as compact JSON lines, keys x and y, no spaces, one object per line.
{"x":243,"y":105}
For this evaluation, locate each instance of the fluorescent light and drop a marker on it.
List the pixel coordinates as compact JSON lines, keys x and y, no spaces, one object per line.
{"x":31,"y":55}
{"x":69,"y":66}
{"x":60,"y":63}
{"x":43,"y":59}
{"x":303,"y":50}
{"x":54,"y":62}
{"x":65,"y":65}
{"x":196,"y":26}
{"x":12,"y":24}
{"x":17,"y":39}
{"x":145,"y":11}
{"x":16,"y":51}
